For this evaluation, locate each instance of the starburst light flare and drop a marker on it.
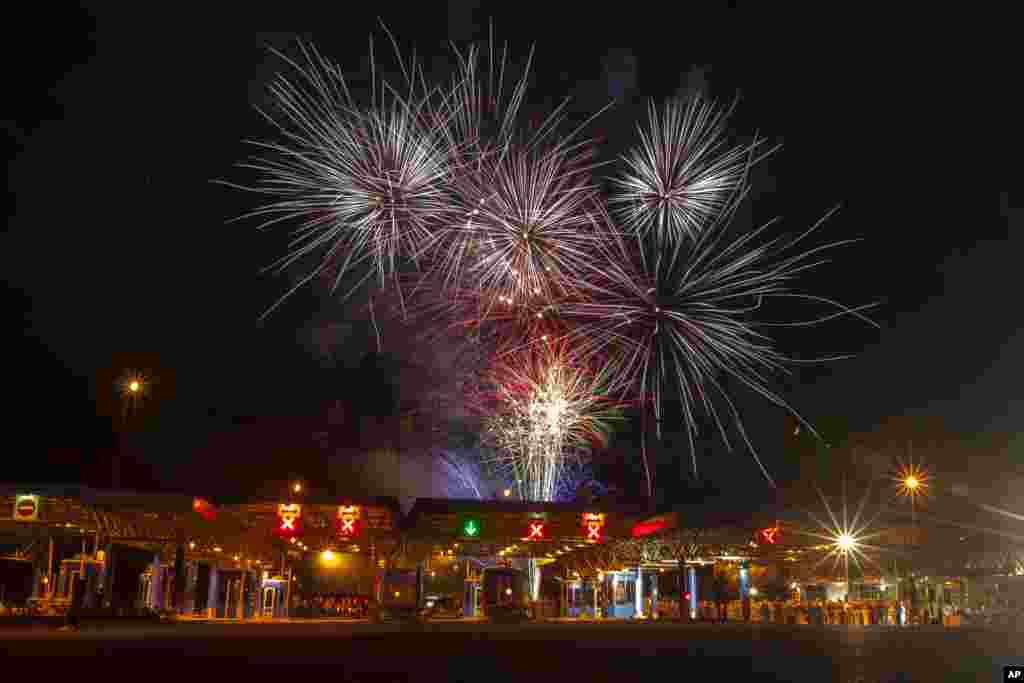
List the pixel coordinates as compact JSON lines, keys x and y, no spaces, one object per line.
{"x":846,"y":538}
{"x":912,"y":481}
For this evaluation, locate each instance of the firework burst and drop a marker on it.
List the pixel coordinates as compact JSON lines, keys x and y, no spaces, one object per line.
{"x":679,"y":179}
{"x":688,"y":321}
{"x":368,"y":186}
{"x":523,"y":232}
{"x":546,"y":408}
{"x":528,"y":235}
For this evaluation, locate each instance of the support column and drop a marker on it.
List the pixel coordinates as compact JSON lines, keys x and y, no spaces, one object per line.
{"x":211,"y":596}
{"x":107,"y":581}
{"x":534,"y":574}
{"x":92,"y":573}
{"x":654,"y":595}
{"x":38,"y":587}
{"x":419,"y":586}
{"x":156,"y":600}
{"x":638,"y":607}
{"x":240,"y":607}
{"x":744,"y":583}
{"x":188,"y":598}
{"x":467,"y":599}
{"x":178,"y":587}
{"x":691,"y":587}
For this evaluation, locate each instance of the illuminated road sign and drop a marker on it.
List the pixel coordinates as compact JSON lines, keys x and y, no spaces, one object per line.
{"x":26,"y":508}
{"x":289,"y":519}
{"x":536,"y":531}
{"x":593,"y":524}
{"x":471,"y":528}
{"x":348,"y":521}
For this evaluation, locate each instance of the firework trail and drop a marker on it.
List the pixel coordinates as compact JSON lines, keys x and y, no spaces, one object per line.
{"x":547,"y":408}
{"x":689,"y":320}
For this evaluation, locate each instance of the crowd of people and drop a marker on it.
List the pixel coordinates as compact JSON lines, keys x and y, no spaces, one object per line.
{"x":831,"y":612}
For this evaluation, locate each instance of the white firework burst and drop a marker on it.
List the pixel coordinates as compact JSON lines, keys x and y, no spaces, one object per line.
{"x":682,"y":174}
{"x":368,"y":186}
{"x":687,"y":321}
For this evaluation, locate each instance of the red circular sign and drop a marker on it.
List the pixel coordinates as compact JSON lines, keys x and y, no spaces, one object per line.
{"x":26,"y":507}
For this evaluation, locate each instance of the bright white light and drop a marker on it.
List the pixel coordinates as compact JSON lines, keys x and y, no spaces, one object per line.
{"x":845,"y":542}
{"x":508,"y":591}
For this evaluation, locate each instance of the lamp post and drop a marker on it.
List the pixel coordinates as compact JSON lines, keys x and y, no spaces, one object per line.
{"x":133,"y":388}
{"x":845,"y":543}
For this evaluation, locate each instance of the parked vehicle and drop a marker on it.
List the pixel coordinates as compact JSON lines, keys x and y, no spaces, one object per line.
{"x":442,"y":607}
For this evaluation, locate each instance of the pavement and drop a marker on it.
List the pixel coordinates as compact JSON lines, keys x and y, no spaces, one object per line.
{"x":475,"y":651}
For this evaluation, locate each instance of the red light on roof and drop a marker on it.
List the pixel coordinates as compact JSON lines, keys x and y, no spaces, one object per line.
{"x":647,"y":528}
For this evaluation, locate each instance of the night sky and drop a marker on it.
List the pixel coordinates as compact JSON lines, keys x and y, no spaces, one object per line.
{"x":117,"y":254}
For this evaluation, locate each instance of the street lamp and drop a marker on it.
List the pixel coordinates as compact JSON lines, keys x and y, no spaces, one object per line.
{"x":846,"y":544}
{"x":132,"y":388}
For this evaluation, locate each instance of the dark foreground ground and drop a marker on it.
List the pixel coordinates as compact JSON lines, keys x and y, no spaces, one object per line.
{"x":569,"y":653}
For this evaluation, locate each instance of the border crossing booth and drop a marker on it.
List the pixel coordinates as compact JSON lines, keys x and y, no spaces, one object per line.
{"x":580,"y":599}
{"x":471,"y":598}
{"x":272,"y":597}
{"x":620,"y":589}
